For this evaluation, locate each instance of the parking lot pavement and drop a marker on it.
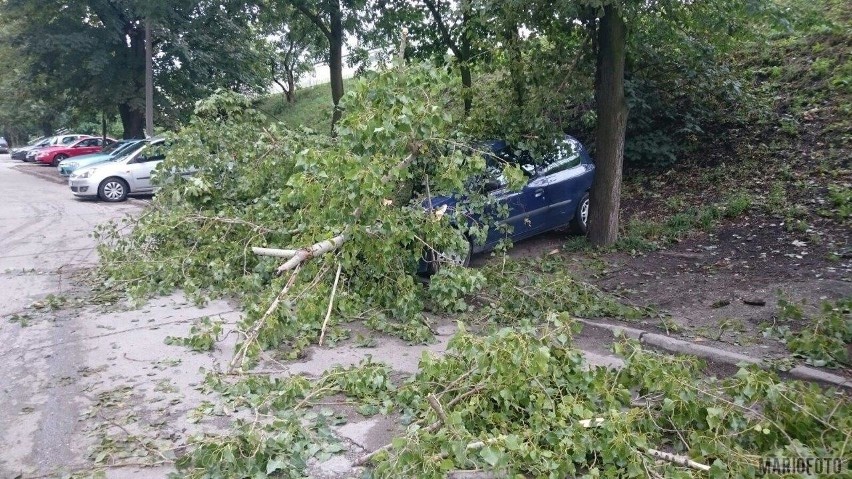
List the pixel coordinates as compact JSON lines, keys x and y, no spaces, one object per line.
{"x":60,"y":361}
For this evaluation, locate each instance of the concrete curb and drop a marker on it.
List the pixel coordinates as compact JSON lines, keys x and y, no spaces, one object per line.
{"x":679,"y":346}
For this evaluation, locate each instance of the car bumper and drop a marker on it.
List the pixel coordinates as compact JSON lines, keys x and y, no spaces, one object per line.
{"x":83,"y":187}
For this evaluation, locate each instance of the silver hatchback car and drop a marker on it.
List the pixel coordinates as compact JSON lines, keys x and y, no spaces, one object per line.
{"x":114,"y":180}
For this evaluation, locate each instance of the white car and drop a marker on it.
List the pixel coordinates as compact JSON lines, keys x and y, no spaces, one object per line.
{"x":114,"y":180}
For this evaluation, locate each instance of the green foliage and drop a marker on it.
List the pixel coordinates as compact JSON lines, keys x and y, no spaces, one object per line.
{"x":824,"y":340}
{"x":202,"y":336}
{"x":532,"y":291}
{"x":312,"y":108}
{"x":841,"y":202}
{"x":280,"y":448}
{"x":525,"y":403}
{"x":451,"y":285}
{"x":259,"y":184}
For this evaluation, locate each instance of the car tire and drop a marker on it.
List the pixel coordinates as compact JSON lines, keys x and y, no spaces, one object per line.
{"x":113,"y":190}
{"x":57,"y":159}
{"x":580,"y":222}
{"x":435,"y":259}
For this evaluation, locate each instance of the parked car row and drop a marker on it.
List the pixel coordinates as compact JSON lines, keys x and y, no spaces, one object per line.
{"x":98,"y":167}
{"x":124,"y":174}
{"x":28,"y":152}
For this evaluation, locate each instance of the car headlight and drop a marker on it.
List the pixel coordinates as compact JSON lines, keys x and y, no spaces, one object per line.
{"x":72,"y":164}
{"x":86,"y":173}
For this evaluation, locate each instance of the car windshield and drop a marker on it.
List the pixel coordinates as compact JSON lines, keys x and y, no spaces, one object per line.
{"x":114,"y":147}
{"x":128,"y":150}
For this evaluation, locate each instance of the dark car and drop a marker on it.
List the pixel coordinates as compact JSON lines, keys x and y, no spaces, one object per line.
{"x":556,"y":195}
{"x":21,"y":153}
{"x":4,"y":146}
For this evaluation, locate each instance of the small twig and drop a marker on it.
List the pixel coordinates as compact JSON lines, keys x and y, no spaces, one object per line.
{"x":330,"y":304}
{"x":433,"y":401}
{"x":252,"y":334}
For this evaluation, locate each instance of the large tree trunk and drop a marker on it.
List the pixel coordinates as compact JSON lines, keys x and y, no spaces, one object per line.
{"x":132,"y":120}
{"x":612,"y":122}
{"x":516,"y":66}
{"x":132,"y":110}
{"x":467,"y":83}
{"x":335,"y":64}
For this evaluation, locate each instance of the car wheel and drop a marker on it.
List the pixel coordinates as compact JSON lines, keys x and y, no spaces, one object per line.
{"x":437,"y":259}
{"x":113,"y":189}
{"x":57,"y":159}
{"x":580,"y":222}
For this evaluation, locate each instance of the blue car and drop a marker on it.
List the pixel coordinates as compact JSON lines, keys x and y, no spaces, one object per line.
{"x":556,"y":195}
{"x":115,"y":150}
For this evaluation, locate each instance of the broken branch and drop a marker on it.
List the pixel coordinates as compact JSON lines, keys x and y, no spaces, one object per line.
{"x":317,"y":249}
{"x":679,"y":460}
{"x":330,"y":304}
{"x":276,"y":252}
{"x":252,"y":333}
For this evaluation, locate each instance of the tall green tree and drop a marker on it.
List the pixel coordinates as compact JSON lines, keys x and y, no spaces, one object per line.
{"x":293,"y":46}
{"x":94,"y":50}
{"x":334,"y":19}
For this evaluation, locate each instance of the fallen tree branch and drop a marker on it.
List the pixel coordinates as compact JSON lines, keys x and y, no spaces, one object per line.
{"x":433,"y":401}
{"x":330,"y":304}
{"x":332,"y":244}
{"x":253,"y":333}
{"x":275,"y":252}
{"x":317,"y":249}
{"x":679,"y":460}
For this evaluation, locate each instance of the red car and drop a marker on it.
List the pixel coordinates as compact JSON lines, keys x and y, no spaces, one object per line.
{"x":54,"y":154}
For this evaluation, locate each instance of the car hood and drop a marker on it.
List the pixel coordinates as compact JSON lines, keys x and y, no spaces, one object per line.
{"x":25,"y":149}
{"x":91,"y":158}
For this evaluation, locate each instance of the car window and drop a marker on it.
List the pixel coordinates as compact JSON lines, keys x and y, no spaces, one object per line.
{"x":113,"y":147}
{"x":90,"y":142}
{"x":68,"y":140}
{"x":566,"y":154}
{"x":155,"y":152}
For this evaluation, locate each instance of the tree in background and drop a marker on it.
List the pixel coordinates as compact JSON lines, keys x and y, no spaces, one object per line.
{"x":334,"y":19}
{"x":94,"y":52}
{"x":294,"y":45}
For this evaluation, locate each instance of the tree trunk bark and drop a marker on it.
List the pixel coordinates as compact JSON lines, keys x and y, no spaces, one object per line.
{"x":467,"y":84}
{"x":516,"y":67}
{"x":132,"y":109}
{"x":132,"y":120}
{"x":612,"y":122}
{"x":335,"y":64}
{"x":291,"y":89}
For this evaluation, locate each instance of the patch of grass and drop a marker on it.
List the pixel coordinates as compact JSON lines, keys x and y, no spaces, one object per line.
{"x":840,"y":197}
{"x":737,"y":204}
{"x":823,"y":341}
{"x":312,"y":109}
{"x":776,"y":199}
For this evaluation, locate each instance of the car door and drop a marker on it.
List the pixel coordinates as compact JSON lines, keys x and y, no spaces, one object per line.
{"x":526,"y":208}
{"x":143,"y":165}
{"x":87,"y":146}
{"x":564,"y":179}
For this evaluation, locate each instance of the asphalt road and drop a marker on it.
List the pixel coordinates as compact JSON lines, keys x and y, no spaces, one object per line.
{"x":58,"y":363}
